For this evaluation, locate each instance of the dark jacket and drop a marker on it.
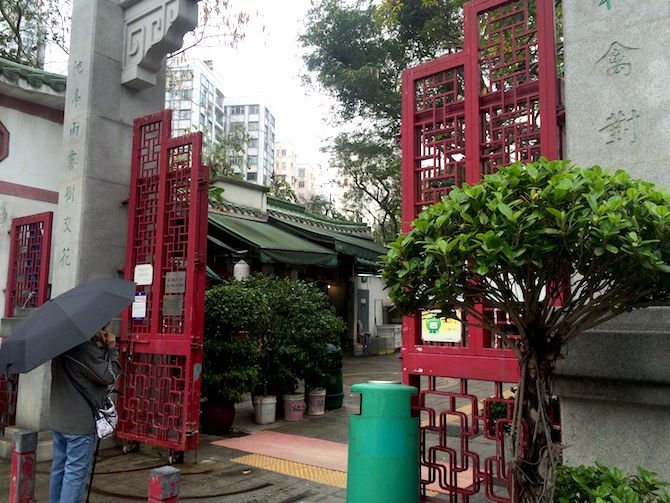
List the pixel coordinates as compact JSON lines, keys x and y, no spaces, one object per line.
{"x":70,"y":412}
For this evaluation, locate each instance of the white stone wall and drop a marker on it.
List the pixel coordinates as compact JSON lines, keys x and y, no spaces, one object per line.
{"x":33,"y":162}
{"x":614,"y":386}
{"x":616,"y":94}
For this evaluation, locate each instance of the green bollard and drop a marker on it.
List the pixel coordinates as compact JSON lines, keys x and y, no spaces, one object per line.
{"x":383,"y":446}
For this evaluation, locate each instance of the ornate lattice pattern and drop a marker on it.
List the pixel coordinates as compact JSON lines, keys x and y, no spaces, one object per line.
{"x":508,"y":46}
{"x":175,"y":244}
{"x":440,"y":134}
{"x":153,"y":398}
{"x":162,"y":353}
{"x":456,"y":432}
{"x":8,"y":393}
{"x":146,"y":208}
{"x":29,"y":262}
{"x":509,"y":65}
{"x":501,"y":91}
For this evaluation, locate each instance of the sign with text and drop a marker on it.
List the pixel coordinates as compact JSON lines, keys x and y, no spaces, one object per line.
{"x":435,"y":328}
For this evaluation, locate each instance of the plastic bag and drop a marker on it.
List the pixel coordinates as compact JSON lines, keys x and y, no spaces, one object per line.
{"x":106,"y":419}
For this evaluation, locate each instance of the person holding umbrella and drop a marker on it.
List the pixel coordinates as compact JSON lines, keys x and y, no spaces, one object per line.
{"x":87,"y":370}
{"x":72,"y":331}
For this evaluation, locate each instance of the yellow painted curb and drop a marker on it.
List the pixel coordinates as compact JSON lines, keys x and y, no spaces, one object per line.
{"x":313,"y":473}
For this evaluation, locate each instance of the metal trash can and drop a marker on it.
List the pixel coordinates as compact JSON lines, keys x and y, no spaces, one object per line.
{"x":334,"y":387}
{"x":383,"y":445}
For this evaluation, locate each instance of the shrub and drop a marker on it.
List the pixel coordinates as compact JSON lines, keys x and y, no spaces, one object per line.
{"x":602,"y":484}
{"x":233,"y":315}
{"x":264,"y":334}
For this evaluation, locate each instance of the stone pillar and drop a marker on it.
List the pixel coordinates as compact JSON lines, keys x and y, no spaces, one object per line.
{"x":614,"y":385}
{"x":116,"y":73}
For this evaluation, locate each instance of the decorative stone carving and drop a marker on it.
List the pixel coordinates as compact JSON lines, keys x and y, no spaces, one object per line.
{"x":4,"y":142}
{"x":152,"y":29}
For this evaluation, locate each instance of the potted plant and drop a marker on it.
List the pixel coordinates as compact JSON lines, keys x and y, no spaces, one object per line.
{"x":301,"y":323}
{"x":233,"y":317}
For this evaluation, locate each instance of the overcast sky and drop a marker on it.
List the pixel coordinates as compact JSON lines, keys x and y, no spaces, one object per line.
{"x":268,"y":63}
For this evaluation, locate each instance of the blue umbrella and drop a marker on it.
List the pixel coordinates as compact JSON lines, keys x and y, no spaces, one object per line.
{"x":62,"y":323}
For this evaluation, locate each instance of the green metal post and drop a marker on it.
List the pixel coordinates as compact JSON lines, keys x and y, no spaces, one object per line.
{"x":383,"y":446}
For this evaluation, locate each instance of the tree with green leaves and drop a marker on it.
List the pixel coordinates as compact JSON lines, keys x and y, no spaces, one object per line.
{"x":554,"y":247}
{"x":356,"y":52}
{"x":281,"y":189}
{"x":319,"y":205}
{"x":27,"y":26}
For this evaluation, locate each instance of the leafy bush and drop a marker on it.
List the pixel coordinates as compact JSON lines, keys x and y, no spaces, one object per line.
{"x":233,"y":315}
{"x":302,"y":321}
{"x":602,"y":484}
{"x":264,"y":334}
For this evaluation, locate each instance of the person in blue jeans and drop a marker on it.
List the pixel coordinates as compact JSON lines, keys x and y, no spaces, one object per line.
{"x":93,"y":365}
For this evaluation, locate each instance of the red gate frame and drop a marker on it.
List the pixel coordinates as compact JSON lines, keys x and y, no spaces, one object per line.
{"x":460,"y":110}
{"x":159,"y":399}
{"x":46,"y":221}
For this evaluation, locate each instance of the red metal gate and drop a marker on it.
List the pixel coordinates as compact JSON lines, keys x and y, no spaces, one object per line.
{"x":29,"y":256}
{"x":161,"y":341}
{"x":464,"y":115}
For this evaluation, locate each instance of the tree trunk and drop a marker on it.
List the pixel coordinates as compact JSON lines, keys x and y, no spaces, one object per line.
{"x":536,"y":452}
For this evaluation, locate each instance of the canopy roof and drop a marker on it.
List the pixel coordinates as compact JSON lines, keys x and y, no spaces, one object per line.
{"x":273,"y":243}
{"x":364,"y":250}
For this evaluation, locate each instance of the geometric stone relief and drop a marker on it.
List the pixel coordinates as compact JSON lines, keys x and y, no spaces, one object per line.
{"x":151,"y":30}
{"x":4,"y":142}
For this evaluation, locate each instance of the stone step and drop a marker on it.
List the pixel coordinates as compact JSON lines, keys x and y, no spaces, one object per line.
{"x":44,"y":444}
{"x":44,"y":447}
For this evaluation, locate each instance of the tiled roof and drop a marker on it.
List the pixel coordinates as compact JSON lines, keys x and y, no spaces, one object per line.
{"x":33,"y":76}
{"x":237,"y":209}
{"x":284,"y":210}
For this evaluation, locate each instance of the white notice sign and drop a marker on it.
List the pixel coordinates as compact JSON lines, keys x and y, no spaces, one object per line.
{"x":139,"y":309}
{"x":144,"y":274}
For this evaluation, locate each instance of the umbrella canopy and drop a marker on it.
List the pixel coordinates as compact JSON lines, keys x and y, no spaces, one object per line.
{"x":63,"y":323}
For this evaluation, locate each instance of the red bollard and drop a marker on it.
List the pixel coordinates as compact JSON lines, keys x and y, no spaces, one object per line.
{"x":22,"y":478}
{"x":164,"y":485}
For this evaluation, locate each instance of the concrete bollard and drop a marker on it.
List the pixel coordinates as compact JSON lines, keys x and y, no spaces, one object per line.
{"x":22,"y":478}
{"x":164,"y":485}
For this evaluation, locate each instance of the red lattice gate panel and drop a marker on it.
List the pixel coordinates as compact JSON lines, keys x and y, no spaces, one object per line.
{"x":463,"y":116}
{"x":161,"y":343}
{"x":8,"y":393}
{"x":29,"y":256}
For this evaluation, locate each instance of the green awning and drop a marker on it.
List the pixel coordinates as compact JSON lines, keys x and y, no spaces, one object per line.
{"x":212,"y":275}
{"x":274,"y":244}
{"x":359,"y":248}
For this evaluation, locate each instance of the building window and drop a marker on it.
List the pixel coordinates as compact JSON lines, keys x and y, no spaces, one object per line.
{"x":301,"y":184}
{"x":253,"y":109}
{"x":184,"y":114}
{"x":252,"y":143}
{"x":251,"y":176}
{"x":4,"y":142}
{"x":301,"y":172}
{"x":236,"y":110}
{"x":252,"y":160}
{"x":253,"y":126}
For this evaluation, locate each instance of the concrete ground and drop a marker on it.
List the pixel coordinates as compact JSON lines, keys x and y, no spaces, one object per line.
{"x":210,"y":474}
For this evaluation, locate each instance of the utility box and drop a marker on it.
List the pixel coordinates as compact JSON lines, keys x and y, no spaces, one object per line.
{"x":383,"y":445}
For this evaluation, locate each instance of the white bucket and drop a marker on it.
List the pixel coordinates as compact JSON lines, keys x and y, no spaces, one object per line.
{"x":316,"y":402}
{"x":294,"y":407}
{"x":264,"y":409}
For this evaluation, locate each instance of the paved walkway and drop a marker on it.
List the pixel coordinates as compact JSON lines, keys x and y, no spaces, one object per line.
{"x":277,"y":473}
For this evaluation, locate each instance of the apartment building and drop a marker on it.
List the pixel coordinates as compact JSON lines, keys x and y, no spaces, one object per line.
{"x":194,"y":92}
{"x":299,"y":175}
{"x":254,"y":116}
